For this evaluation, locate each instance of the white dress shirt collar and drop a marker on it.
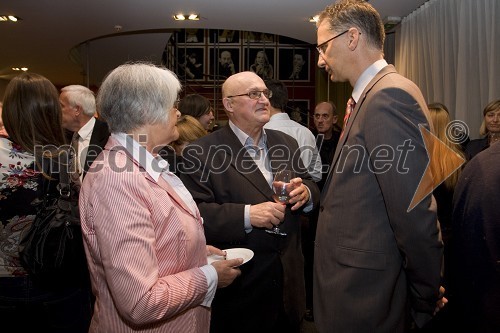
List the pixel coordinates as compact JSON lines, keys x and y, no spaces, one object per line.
{"x":366,"y":77}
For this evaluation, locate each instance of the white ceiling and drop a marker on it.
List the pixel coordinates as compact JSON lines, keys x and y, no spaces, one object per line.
{"x":51,"y":28}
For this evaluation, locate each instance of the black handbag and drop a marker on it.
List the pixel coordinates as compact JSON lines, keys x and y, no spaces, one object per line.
{"x":51,"y":250}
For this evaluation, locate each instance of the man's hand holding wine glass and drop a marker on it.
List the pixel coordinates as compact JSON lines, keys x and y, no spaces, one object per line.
{"x":299,"y":195}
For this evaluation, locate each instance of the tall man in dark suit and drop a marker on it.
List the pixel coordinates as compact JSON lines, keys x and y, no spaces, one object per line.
{"x":229,"y":173}
{"x":375,"y":257}
{"x":78,"y":110}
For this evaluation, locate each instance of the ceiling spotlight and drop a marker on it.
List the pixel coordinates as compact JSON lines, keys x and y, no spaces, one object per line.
{"x":24,"y":69}
{"x":314,"y":19}
{"x":11,"y":18}
{"x":182,"y":17}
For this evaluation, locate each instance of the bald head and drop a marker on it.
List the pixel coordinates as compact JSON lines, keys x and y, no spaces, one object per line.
{"x":241,"y":83}
{"x":325,"y":117}
{"x":248,"y":114}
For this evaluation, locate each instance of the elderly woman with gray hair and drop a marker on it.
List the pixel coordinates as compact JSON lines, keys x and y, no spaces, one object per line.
{"x":143,"y":232}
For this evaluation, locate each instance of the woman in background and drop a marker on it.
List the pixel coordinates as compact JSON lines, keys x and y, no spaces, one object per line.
{"x":189,"y":130}
{"x":198,"y":106}
{"x":443,"y":194}
{"x":32,"y":117}
{"x":490,"y":130}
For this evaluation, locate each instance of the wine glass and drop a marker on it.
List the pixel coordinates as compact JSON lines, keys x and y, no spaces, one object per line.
{"x":281,"y":188}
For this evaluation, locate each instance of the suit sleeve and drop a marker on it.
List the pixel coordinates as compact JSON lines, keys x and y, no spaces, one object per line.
{"x":392,"y":125}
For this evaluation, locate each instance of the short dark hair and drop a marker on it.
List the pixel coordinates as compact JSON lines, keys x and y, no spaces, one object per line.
{"x":280,"y":94}
{"x":194,"y":105}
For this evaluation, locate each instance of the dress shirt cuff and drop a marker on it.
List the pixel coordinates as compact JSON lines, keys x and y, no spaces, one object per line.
{"x":248,"y":225}
{"x":212,"y":280}
{"x":309,"y":205}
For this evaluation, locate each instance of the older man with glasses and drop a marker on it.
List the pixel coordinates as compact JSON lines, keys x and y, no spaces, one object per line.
{"x":229,"y":173}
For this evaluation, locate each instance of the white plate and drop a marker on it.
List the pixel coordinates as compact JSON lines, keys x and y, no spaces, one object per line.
{"x":246,"y":254}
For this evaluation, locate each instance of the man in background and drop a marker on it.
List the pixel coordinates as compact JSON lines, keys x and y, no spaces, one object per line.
{"x":89,"y":134}
{"x":280,"y":121}
{"x":325,"y":121}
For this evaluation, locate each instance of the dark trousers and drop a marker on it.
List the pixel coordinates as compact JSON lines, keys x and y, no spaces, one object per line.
{"x":308,"y":224}
{"x":26,"y":307}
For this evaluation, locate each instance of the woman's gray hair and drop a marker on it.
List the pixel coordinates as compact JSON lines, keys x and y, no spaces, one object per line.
{"x":83,"y":96}
{"x":137,"y":94}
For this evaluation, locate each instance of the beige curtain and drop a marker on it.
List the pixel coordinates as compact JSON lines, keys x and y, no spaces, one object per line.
{"x":451,"y":50}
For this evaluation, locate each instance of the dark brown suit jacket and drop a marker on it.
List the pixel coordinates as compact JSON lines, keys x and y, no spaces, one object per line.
{"x":223,"y":178}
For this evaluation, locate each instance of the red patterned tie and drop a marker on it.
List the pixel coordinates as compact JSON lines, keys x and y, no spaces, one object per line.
{"x":351,"y":103}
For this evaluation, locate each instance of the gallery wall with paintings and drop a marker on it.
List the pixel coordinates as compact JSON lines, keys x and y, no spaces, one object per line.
{"x":204,"y":58}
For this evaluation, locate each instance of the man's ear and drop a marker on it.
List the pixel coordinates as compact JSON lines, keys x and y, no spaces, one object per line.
{"x":228,"y":104}
{"x":353,"y":35}
{"x":335,"y":119}
{"x":78,"y":110}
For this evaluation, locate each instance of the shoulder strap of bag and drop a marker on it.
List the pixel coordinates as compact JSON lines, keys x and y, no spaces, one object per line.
{"x":64,"y":186}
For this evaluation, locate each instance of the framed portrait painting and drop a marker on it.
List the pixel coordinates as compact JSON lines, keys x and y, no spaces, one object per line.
{"x":224,"y":62}
{"x":224,"y":36}
{"x":191,"y":63}
{"x":191,"y":36}
{"x":260,"y":61}
{"x":294,"y":64}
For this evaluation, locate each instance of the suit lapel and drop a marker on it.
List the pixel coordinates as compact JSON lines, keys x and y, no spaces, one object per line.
{"x":98,"y":139}
{"x":240,"y":157}
{"x":386,"y":70}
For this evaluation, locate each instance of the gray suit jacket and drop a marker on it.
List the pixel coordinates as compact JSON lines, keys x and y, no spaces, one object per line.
{"x":223,"y":178}
{"x":373,"y":257}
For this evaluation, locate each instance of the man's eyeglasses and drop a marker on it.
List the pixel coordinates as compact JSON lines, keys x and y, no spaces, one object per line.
{"x":176,"y":104}
{"x":323,"y":46}
{"x":255,"y":94}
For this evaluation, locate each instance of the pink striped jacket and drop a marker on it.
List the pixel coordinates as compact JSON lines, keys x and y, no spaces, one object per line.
{"x":144,"y":249}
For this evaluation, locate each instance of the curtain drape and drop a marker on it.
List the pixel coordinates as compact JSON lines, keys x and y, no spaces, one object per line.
{"x":451,"y":50}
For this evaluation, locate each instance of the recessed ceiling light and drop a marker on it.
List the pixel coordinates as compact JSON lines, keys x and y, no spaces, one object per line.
{"x":17,"y":69}
{"x":314,"y":19}
{"x":191,"y":17}
{"x":9,"y":18}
